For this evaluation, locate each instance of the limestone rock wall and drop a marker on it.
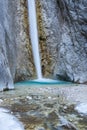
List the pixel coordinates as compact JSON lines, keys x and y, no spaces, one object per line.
{"x":72,"y":50}
{"x":46,"y":58}
{"x":25,"y":69}
{"x":7,"y":44}
{"x":51,"y":20}
{"x":66,"y":37}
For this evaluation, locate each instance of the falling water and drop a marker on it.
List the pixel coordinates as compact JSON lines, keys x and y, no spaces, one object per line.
{"x":35,"y":41}
{"x":34,"y":36}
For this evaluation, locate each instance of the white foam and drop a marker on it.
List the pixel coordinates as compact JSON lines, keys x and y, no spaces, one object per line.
{"x":44,"y":80}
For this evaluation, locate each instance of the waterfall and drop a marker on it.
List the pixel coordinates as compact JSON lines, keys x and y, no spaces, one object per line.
{"x":34,"y":36}
{"x":35,"y":42}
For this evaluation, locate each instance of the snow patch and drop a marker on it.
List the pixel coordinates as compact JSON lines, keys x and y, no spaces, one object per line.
{"x":8,"y":121}
{"x":82,"y":108}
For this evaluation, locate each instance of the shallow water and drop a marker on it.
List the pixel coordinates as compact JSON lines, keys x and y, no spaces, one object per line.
{"x":42,"y":82}
{"x":39,"y":106}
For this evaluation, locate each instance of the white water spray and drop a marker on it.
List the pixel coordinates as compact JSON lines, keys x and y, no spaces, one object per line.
{"x":34,"y":36}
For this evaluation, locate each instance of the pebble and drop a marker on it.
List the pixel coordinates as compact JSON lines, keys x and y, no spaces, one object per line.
{"x":1,"y":100}
{"x":28,"y":97}
{"x":40,"y":128}
{"x":49,"y":97}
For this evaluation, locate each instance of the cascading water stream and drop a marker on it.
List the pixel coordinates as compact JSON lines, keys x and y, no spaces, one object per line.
{"x":34,"y":36}
{"x":35,"y":42}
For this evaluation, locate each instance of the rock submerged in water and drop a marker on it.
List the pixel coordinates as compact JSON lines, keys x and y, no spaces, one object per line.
{"x":65,"y":124}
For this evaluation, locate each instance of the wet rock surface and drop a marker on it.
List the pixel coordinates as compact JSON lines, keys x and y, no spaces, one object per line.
{"x":25,"y":64}
{"x":47,"y":107}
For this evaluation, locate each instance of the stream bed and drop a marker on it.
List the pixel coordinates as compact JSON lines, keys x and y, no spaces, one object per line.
{"x":48,"y":107}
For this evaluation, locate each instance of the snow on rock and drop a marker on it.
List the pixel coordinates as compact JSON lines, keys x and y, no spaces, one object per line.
{"x":82,"y":108}
{"x":8,"y":121}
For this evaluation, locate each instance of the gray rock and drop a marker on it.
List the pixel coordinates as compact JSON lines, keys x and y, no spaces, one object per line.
{"x":15,"y":63}
{"x":51,"y":21}
{"x":40,"y":128}
{"x":7,"y":45}
{"x":66,"y":31}
{"x":6,"y":80}
{"x":72,"y":49}
{"x":24,"y":65}
{"x":65,"y":124}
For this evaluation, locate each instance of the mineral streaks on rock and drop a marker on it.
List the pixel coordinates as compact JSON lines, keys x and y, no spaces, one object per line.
{"x":45,"y":55}
{"x":51,"y":26}
{"x":25,"y":65}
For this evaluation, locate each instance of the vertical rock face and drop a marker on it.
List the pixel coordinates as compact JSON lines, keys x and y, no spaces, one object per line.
{"x":7,"y":44}
{"x":49,"y":36}
{"x":72,"y":50}
{"x":25,"y":67}
{"x":66,"y":31}
{"x":48,"y":41}
{"x":16,"y":61}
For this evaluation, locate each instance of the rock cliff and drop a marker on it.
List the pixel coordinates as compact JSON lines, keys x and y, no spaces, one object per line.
{"x":72,"y":50}
{"x":25,"y":69}
{"x":7,"y":44}
{"x":62,"y":27}
{"x":65,"y":25}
